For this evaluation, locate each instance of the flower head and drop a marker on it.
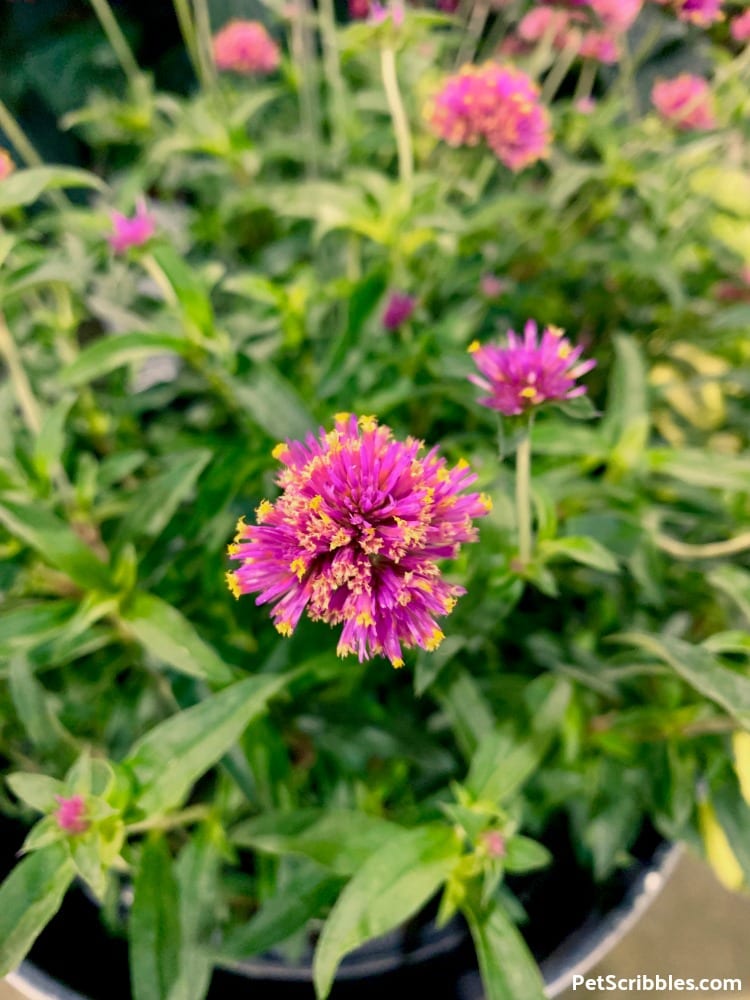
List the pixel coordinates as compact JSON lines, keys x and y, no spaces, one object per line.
{"x":700,"y":12}
{"x":398,"y":310}
{"x":359,"y":9}
{"x":245,"y":47}
{"x":355,"y":537}
{"x":7,"y":166}
{"x":70,"y":814}
{"x":522,"y":374}
{"x":685,"y":101}
{"x":616,"y":15}
{"x":740,"y":27}
{"x":132,"y":232}
{"x":497,"y":103}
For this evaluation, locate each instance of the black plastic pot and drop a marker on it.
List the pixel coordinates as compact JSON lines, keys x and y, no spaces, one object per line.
{"x":74,"y":960}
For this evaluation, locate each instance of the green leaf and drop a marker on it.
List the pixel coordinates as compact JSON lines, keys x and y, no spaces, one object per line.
{"x":36,"y":790}
{"x":153,"y":927}
{"x":173,"y":755}
{"x":24,"y":186}
{"x":508,"y":970}
{"x":56,"y":543}
{"x":188,"y":287}
{"x":733,"y":814}
{"x":500,"y":766}
{"x":735,"y":583}
{"x":468,"y":712}
{"x":582,"y":550}
{"x":197,"y":871}
{"x":339,"y":839}
{"x":304,"y":897}
{"x":525,"y":855}
{"x":273,"y":403}
{"x":701,"y":670}
{"x":50,"y":442}
{"x":626,"y":423}
{"x":112,"y":352}
{"x":392,"y":885}
{"x":29,"y":898}
{"x":166,"y":634}
{"x":32,"y":703}
{"x":155,"y":503}
{"x":32,"y":624}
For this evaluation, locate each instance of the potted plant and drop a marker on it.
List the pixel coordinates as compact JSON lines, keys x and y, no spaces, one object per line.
{"x":319,"y":304}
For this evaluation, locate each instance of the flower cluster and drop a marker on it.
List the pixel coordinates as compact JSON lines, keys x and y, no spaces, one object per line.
{"x":700,"y":12}
{"x":499,"y":104}
{"x":245,"y":47}
{"x":525,"y":373}
{"x":593,"y":32}
{"x":7,"y":165}
{"x":685,"y":101}
{"x":132,"y":232}
{"x":355,"y":537}
{"x":740,"y":27}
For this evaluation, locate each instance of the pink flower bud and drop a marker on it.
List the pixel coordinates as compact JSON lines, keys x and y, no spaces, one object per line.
{"x":70,"y":814}
{"x":494,"y":843}
{"x":245,"y":47}
{"x":132,"y":232}
{"x":7,"y":166}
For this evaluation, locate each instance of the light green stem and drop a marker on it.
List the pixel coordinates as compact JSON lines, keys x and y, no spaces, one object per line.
{"x":398,"y":116}
{"x":189,"y":36}
{"x":559,"y":71}
{"x":523,"y":495}
{"x":586,"y":80}
{"x":470,"y":42}
{"x":18,"y":138}
{"x":339,"y":104}
{"x":19,"y":380}
{"x":204,"y":42}
{"x":117,"y":40}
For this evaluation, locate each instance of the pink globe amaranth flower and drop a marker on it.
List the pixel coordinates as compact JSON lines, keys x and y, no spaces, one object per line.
{"x":132,"y":232}
{"x":497,"y":103}
{"x":245,"y":47}
{"x":600,"y":46}
{"x":359,"y":9}
{"x":740,"y":27}
{"x":491,"y":286}
{"x":685,"y":101}
{"x":398,"y":309}
{"x":616,"y":16}
{"x":7,"y":166}
{"x":380,"y":13}
{"x":355,"y":536}
{"x":542,"y":22}
{"x":700,"y":12}
{"x":70,"y":814}
{"x":494,"y":843}
{"x":522,"y":374}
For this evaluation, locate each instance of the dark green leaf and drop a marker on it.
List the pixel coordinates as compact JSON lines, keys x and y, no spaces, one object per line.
{"x":508,"y":970}
{"x":273,"y":403}
{"x":24,"y":186}
{"x":581,"y":550}
{"x":156,"y":502}
{"x":114,"y":351}
{"x":524,"y":855}
{"x":188,"y":287}
{"x":500,"y":766}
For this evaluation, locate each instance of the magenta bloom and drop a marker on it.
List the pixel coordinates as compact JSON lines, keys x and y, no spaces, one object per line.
{"x":740,"y":27}
{"x":70,"y":814}
{"x":616,"y":15}
{"x":245,"y":47}
{"x":525,"y":373}
{"x":132,"y":232}
{"x":685,"y":101}
{"x":355,"y":537}
{"x":7,"y":166}
{"x":359,"y":9}
{"x":496,"y":103}
{"x":600,"y":46}
{"x":398,"y":310}
{"x":700,"y":12}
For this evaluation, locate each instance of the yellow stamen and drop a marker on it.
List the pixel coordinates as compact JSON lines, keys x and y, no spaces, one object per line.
{"x":434,"y":641}
{"x":233,"y":549}
{"x":449,"y":604}
{"x":564,"y":350}
{"x":299,"y":568}
{"x":262,"y":511}
{"x":486,"y":501}
{"x":279,"y":450}
{"x":368,"y":423}
{"x":556,"y":331}
{"x":462,"y":464}
{"x":341,"y":418}
{"x":365,"y":618}
{"x":284,"y":628}
{"x":240,"y":529}
{"x":397,"y":662}
{"x":233,"y":584}
{"x":316,"y":501}
{"x":473,"y":347}
{"x":529,"y":392}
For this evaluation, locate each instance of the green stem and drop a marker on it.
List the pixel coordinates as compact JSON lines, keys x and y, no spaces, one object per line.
{"x":339,"y":103}
{"x":473,"y":35}
{"x":193,"y":814}
{"x":204,"y":42}
{"x":117,"y":40}
{"x":304,"y":62}
{"x":23,"y":146}
{"x":523,"y":495}
{"x":586,"y":80}
{"x":19,"y":380}
{"x":559,"y":71}
{"x":398,"y":116}
{"x":189,"y":36}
